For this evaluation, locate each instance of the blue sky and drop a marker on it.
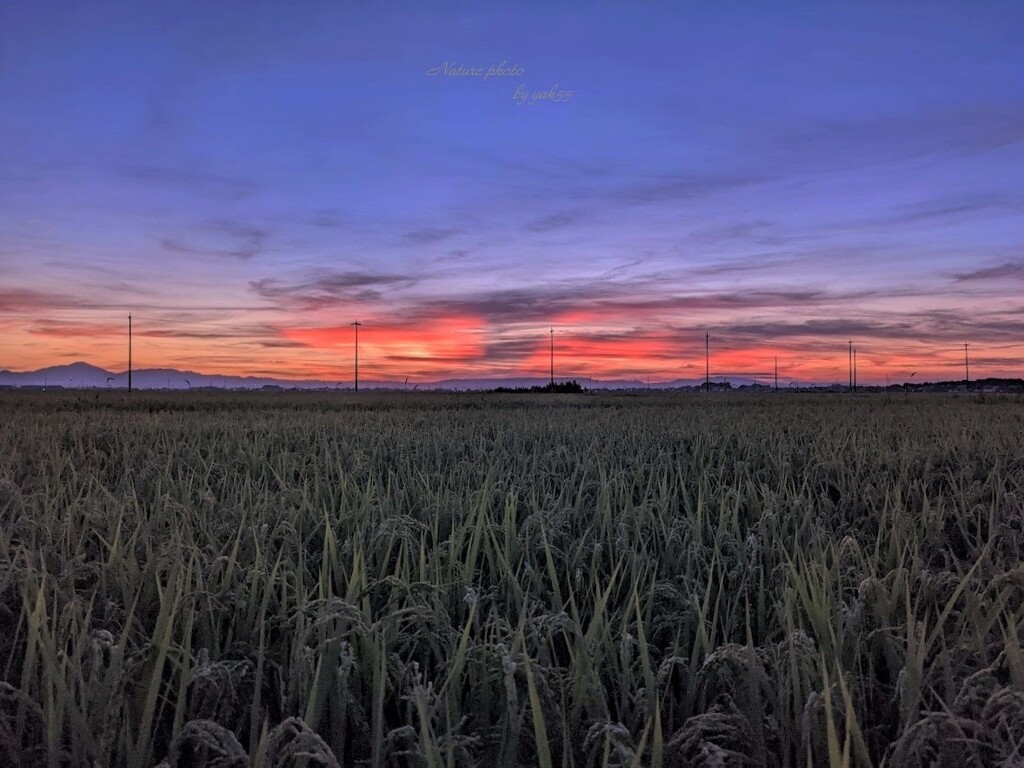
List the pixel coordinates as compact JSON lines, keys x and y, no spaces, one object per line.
{"x":247,"y":178}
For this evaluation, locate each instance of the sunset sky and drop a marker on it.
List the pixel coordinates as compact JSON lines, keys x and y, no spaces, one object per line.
{"x":248,"y":178}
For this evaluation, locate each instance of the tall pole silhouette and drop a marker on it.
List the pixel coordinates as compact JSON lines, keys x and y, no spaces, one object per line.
{"x":129,"y":351}
{"x":967,"y":367}
{"x":552,"y":358}
{"x":356,"y":325}
{"x":850,"y":363}
{"x":707,"y":362}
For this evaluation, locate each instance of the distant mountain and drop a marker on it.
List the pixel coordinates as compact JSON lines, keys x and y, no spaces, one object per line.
{"x":81,"y":375}
{"x":84,"y":375}
{"x":74,"y":374}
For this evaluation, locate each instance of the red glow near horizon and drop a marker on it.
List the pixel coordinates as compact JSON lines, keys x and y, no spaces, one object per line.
{"x":462,"y":345}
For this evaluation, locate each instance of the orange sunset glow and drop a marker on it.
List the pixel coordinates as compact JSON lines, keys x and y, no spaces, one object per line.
{"x":438,"y":346}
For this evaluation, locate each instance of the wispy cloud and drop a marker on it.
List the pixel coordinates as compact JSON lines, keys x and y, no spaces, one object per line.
{"x":256,"y":331}
{"x":606,"y":300}
{"x":203,"y":183}
{"x":327,"y":289}
{"x":831,"y":144}
{"x":1012,"y":270}
{"x":29,"y":301}
{"x":934,"y":326}
{"x":220,"y":239}
{"x":429,"y":235}
{"x":682,"y":186}
{"x":553,"y":221}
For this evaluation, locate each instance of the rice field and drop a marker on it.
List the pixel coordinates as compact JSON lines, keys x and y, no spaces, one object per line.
{"x":268,"y":579}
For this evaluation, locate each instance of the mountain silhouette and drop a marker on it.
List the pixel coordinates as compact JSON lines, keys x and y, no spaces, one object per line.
{"x":85,"y":375}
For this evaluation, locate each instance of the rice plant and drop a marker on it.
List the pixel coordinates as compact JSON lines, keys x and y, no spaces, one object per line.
{"x":510,"y":580}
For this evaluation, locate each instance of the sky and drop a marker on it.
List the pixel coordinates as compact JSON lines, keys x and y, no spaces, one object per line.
{"x":248,"y":178}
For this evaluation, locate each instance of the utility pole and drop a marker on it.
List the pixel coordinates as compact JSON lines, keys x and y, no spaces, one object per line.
{"x":707,"y":362}
{"x":850,"y":363}
{"x":356,"y":325}
{"x":129,"y":351}
{"x":552,"y":359}
{"x":967,"y":367}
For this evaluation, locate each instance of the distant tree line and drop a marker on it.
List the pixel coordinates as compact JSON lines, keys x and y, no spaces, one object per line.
{"x":559,"y":387}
